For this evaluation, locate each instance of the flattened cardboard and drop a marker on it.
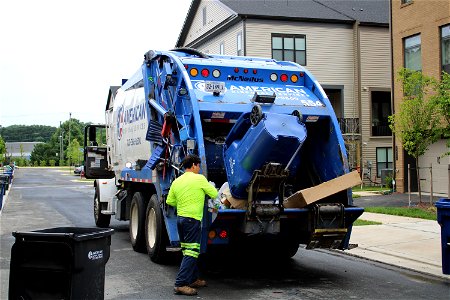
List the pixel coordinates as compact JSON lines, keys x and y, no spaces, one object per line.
{"x":310,"y":195}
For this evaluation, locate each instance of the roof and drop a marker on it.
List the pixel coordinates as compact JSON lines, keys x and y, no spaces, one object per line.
{"x":367,"y":12}
{"x":111,"y":93}
{"x":13,"y":148}
{"x":364,"y":11}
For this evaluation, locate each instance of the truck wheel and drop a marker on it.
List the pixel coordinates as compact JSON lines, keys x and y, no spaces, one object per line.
{"x":101,"y":220}
{"x":288,"y":249}
{"x":137,"y":223}
{"x":155,"y":232}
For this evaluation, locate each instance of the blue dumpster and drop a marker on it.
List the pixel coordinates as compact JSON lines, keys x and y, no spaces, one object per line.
{"x":443,"y":218}
{"x":2,"y":192}
{"x":5,"y":180}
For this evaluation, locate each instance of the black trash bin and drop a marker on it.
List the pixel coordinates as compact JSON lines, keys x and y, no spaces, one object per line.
{"x":443,"y":218}
{"x":59,"y":263}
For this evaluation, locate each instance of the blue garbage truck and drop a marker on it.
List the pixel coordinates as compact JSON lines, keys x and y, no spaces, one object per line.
{"x":268,"y":139}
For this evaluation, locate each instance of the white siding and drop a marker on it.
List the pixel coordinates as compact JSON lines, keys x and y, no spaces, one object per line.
{"x":229,"y":38}
{"x":375,"y":76}
{"x":216,"y":12}
{"x":440,"y":168}
{"x":329,"y":51}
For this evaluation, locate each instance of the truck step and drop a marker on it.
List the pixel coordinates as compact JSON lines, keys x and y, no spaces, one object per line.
{"x":173,"y":249}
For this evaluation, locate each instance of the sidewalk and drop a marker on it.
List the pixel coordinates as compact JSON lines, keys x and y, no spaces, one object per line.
{"x":405,"y":242}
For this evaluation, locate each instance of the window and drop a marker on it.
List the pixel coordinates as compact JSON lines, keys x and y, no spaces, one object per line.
{"x":381,"y":109}
{"x":406,"y":1}
{"x":384,"y":159}
{"x":289,"y":47}
{"x":445,"y":48}
{"x":222,"y":48}
{"x":413,"y":58}
{"x":239,"y":44}
{"x":204,"y":15}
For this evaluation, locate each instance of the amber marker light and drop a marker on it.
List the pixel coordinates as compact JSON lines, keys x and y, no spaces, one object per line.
{"x":294,"y":78}
{"x":194,"y":72}
{"x":212,"y":234}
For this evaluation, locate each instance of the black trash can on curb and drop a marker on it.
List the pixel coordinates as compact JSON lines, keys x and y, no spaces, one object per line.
{"x":59,"y":263}
{"x":443,"y":218}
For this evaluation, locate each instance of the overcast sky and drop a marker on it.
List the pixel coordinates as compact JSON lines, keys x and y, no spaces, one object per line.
{"x":59,"y":57}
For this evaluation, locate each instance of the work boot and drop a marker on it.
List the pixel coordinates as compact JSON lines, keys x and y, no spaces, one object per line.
{"x":199,"y":283}
{"x":185,"y":290}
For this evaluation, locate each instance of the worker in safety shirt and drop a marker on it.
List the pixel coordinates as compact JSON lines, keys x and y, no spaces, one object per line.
{"x":187,"y":194}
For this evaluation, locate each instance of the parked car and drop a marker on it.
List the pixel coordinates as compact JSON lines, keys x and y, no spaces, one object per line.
{"x":78,"y":170}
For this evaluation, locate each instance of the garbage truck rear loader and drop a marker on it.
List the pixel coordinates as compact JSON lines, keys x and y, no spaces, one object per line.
{"x":267,"y":137}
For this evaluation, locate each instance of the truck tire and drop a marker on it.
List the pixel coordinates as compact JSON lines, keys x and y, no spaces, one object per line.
{"x":101,"y":220}
{"x":289,"y":250}
{"x":137,"y":223}
{"x":155,"y":232}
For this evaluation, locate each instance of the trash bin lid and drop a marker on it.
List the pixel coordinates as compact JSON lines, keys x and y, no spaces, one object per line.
{"x":443,"y":203}
{"x":72,"y":233}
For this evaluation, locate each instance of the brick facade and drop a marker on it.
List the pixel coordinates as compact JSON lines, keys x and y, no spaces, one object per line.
{"x":424,"y":17}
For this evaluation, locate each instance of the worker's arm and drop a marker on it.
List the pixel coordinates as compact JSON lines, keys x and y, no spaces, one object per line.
{"x":209,"y":189}
{"x":171,"y":200}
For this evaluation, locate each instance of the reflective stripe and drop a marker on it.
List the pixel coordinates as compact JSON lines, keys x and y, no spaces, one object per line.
{"x":188,"y":252}
{"x":190,"y":245}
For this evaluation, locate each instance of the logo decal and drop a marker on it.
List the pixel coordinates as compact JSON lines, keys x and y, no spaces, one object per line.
{"x":120,"y":122}
{"x":94,"y":255}
{"x":243,"y":78}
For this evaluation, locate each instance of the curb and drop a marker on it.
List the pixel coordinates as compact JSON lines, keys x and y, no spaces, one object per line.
{"x":341,"y":252}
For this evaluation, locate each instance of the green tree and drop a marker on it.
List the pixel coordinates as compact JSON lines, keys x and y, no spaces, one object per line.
{"x":2,"y":149}
{"x":27,"y":133}
{"x":416,"y":123}
{"x":442,"y":99}
{"x":73,"y":152}
{"x":42,"y":152}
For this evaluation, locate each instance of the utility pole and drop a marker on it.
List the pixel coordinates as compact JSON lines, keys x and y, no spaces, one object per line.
{"x":61,"y":140}
{"x":70,"y":119}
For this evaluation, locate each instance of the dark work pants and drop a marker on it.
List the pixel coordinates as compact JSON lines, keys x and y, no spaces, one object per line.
{"x":189,"y":230}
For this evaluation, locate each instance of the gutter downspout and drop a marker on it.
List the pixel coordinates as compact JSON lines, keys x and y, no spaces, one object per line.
{"x":358,"y":90}
{"x":244,"y":35}
{"x":394,"y":146}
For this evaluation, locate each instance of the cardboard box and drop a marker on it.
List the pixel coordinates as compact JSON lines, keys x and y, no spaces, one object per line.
{"x":310,"y":195}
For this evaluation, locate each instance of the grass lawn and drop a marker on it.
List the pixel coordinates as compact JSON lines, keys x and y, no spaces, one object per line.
{"x":360,"y":222}
{"x":366,"y":188}
{"x":423,"y":212}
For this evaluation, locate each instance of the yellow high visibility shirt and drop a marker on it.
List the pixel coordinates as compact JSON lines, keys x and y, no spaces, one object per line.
{"x":187,"y":194}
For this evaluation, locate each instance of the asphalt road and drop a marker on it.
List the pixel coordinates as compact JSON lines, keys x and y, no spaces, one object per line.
{"x":46,"y":198}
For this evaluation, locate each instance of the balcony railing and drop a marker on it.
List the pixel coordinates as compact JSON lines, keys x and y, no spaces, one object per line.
{"x":349,"y":125}
{"x":381,"y":129}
